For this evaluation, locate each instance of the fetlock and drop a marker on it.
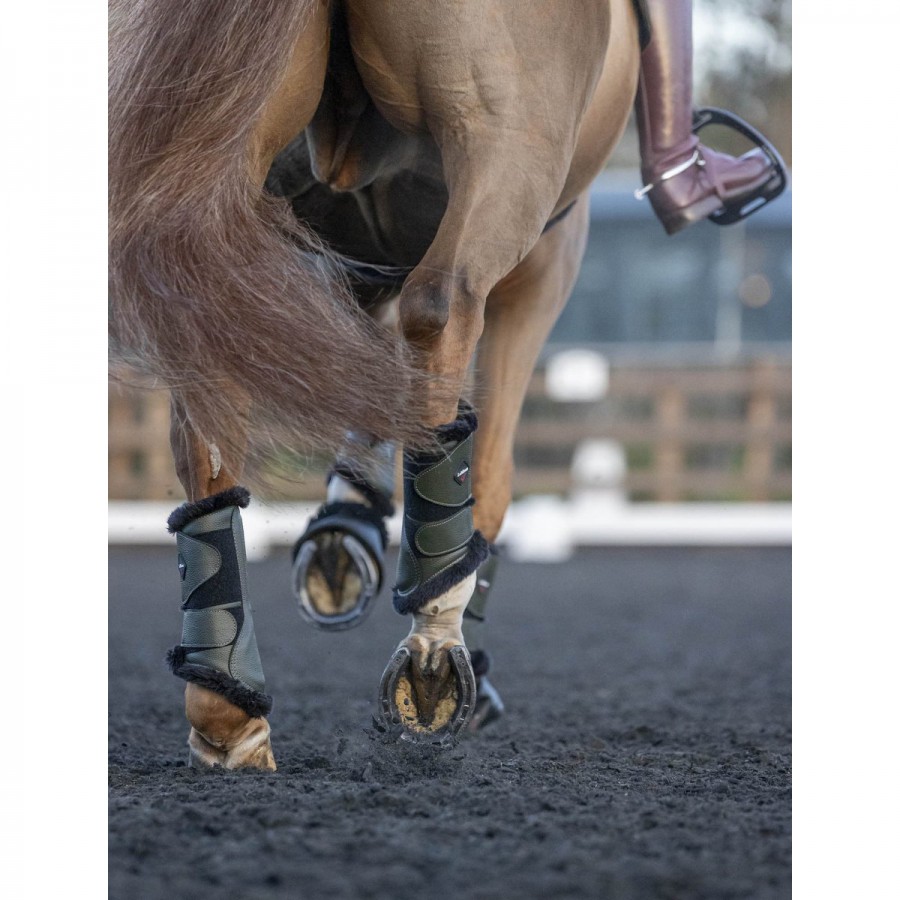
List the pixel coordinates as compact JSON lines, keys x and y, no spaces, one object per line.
{"x":441,"y":619}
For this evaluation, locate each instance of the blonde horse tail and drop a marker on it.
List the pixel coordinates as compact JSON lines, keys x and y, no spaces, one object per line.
{"x":216,"y":289}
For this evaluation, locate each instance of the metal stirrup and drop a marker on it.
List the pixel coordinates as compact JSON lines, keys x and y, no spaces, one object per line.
{"x":774,"y":187}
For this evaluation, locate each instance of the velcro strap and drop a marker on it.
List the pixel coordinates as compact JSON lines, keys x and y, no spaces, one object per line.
{"x":212,"y":627}
{"x":380,"y":501}
{"x":198,"y":562}
{"x":217,"y":520}
{"x":437,"y":538}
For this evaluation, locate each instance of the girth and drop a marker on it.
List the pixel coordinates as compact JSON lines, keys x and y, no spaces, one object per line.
{"x":393,"y":276}
{"x":643,"y":21}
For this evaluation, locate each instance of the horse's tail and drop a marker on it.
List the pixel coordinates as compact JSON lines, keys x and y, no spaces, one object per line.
{"x":216,"y":289}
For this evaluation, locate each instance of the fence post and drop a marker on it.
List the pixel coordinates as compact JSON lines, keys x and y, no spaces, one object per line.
{"x":761,"y":412}
{"x":121,"y":421}
{"x":670,"y":407}
{"x":160,"y":465}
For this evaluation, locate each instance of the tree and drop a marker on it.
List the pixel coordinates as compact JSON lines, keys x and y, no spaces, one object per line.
{"x":742,"y":62}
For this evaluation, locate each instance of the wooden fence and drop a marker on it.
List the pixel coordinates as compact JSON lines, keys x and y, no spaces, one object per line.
{"x":687,"y":432}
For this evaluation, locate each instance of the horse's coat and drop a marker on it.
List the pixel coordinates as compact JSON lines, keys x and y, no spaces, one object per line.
{"x":436,"y":137}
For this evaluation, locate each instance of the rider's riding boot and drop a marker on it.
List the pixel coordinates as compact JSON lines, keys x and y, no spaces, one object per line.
{"x":684,"y":181}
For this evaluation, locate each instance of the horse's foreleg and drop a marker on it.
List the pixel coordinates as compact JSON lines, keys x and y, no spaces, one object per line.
{"x":225,"y":699}
{"x":519,"y":314}
{"x":429,"y":686}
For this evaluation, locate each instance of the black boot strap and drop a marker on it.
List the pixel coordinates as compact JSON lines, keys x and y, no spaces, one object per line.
{"x":381,"y":503}
{"x":366,"y":524}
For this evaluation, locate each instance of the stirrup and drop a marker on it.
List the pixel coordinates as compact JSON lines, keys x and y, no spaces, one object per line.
{"x":765,"y":194}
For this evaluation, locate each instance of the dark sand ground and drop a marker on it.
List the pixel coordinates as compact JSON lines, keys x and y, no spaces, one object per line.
{"x":645,"y":754}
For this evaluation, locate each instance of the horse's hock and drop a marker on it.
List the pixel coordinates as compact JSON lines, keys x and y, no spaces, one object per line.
{"x":689,"y":432}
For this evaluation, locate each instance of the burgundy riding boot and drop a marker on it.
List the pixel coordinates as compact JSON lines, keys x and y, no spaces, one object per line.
{"x":684,"y":181}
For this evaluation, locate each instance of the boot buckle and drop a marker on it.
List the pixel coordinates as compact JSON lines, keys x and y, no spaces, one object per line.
{"x":766,"y":193}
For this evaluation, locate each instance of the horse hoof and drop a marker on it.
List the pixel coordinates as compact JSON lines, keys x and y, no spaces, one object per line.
{"x":335,"y":580}
{"x":224,"y":735}
{"x":488,"y":706}
{"x":251,"y":749}
{"x":427,"y":692}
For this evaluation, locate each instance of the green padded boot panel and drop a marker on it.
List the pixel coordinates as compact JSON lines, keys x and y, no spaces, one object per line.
{"x":218,"y":642}
{"x":439,"y":546}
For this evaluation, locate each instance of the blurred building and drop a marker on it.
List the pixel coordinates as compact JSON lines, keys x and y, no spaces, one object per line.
{"x":673,"y":355}
{"x":708,"y":291}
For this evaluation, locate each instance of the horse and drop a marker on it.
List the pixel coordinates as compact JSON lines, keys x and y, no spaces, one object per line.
{"x":324,"y":214}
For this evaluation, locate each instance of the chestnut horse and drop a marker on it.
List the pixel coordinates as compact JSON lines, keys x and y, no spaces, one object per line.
{"x":287,"y":179}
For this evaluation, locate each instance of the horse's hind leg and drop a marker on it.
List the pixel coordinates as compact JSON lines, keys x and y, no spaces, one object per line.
{"x":225,"y":699}
{"x":504,"y":98}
